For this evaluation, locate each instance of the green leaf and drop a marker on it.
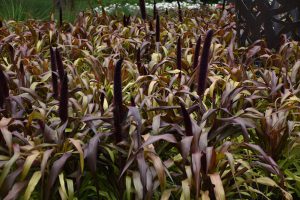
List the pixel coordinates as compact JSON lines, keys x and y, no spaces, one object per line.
{"x":9,"y":164}
{"x":32,"y":184}
{"x":27,"y":165}
{"x":77,"y":144}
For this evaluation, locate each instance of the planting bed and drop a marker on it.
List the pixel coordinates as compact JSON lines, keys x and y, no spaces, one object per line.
{"x":109,"y":108}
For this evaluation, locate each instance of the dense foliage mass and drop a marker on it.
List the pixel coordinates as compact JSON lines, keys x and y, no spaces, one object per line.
{"x":113,"y":108}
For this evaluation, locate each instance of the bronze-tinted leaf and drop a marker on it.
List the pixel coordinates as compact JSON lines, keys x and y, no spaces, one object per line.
{"x":159,"y":169}
{"x":143,"y":167}
{"x":91,"y":156}
{"x":46,"y":156}
{"x":216,"y":180}
{"x":196,"y":167}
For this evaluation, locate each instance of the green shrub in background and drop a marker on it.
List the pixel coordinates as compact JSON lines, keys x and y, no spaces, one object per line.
{"x":11,"y":10}
{"x":40,"y":9}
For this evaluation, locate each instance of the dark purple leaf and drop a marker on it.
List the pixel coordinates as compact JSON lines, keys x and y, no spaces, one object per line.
{"x":10,"y":180}
{"x":143,"y":167}
{"x":46,"y":156}
{"x":154,"y":138}
{"x":266,"y":159}
{"x":48,"y":133}
{"x":185,"y":146}
{"x":15,"y":191}
{"x":56,"y":169}
{"x":91,"y":154}
{"x":134,"y":112}
{"x":91,"y":157}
